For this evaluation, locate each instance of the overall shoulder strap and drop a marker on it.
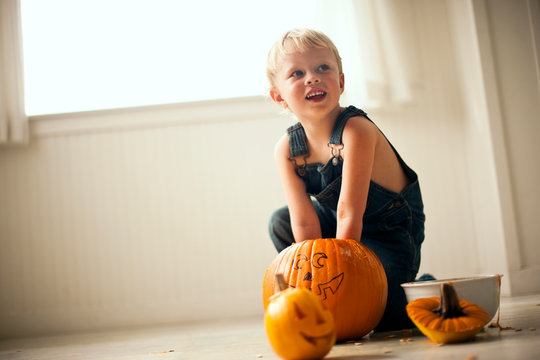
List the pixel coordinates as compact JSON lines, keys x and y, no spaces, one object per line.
{"x":341,"y":121}
{"x":297,"y":141}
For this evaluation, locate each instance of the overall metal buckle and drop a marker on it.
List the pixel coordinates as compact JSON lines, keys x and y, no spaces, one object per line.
{"x":335,"y":158}
{"x":301,"y":169}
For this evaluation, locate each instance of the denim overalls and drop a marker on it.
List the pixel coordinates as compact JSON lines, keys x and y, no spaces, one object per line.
{"x":393,"y":224}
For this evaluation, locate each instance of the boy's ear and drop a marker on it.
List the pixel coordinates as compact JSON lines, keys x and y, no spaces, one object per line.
{"x":277,"y":98}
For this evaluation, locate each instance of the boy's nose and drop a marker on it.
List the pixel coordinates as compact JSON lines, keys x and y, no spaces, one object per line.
{"x":312,"y":78}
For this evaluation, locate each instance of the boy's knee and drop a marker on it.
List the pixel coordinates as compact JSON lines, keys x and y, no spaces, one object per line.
{"x":279,"y":217}
{"x":280,"y":229}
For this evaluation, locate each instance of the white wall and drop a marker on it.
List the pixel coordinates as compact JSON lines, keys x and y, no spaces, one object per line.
{"x":509,"y":35}
{"x":155,"y":223}
{"x":155,"y":215}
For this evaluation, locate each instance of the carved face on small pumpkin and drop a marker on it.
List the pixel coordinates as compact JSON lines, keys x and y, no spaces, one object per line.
{"x":298,"y":326}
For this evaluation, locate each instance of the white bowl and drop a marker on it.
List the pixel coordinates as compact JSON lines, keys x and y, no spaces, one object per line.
{"x":482,"y":290}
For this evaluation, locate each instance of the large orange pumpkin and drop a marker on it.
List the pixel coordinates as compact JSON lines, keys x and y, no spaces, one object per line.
{"x":346,"y":275}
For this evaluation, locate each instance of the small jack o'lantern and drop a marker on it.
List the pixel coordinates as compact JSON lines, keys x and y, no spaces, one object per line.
{"x":447,"y":319}
{"x":297,"y":325}
{"x":346,"y":275}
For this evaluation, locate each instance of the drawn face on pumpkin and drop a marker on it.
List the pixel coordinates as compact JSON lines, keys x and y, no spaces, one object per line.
{"x":307,"y":267}
{"x":346,"y":275}
{"x":296,"y":321}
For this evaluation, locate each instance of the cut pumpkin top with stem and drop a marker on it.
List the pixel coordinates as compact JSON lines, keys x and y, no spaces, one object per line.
{"x":447,"y":319}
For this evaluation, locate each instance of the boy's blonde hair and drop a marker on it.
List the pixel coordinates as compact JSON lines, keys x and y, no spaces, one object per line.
{"x":297,"y":40}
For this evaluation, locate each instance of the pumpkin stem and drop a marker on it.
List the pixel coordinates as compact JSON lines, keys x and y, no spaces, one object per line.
{"x":280,"y":283}
{"x":449,"y":307}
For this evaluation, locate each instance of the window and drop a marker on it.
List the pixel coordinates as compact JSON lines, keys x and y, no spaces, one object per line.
{"x":97,"y":54}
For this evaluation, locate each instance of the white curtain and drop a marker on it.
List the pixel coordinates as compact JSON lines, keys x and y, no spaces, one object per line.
{"x":13,"y":120}
{"x":377,"y":43}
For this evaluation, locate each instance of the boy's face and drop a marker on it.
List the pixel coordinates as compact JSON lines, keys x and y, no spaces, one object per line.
{"x":308,"y":83}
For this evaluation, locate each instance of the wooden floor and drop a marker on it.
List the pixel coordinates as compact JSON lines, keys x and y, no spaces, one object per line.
{"x":246,"y":339}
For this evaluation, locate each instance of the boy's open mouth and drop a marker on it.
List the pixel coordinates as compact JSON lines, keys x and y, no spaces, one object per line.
{"x":316,"y":95}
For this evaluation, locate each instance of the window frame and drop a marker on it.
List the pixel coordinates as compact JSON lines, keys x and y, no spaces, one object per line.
{"x":177,"y":114}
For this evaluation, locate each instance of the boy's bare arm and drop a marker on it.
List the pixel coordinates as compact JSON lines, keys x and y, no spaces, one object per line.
{"x":359,"y":139}
{"x":304,"y":220}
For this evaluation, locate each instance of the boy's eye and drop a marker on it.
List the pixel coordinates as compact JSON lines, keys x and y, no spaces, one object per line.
{"x":297,"y":73}
{"x":324,"y":67}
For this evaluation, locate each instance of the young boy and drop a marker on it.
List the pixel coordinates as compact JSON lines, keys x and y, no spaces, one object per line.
{"x":342,"y":178}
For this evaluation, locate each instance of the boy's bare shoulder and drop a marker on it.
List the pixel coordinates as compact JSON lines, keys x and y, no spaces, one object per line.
{"x":281,"y":149}
{"x":360,"y":127}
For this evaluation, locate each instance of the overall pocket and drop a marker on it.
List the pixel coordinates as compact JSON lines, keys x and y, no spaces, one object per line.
{"x":329,"y":197}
